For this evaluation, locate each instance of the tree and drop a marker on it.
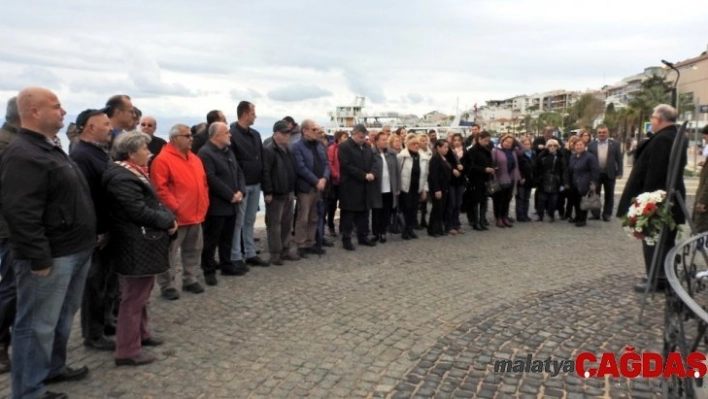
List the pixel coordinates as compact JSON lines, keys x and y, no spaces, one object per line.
{"x":585,"y":110}
{"x":611,"y":119}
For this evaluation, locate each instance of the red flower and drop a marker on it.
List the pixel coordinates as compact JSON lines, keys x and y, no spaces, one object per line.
{"x":649,"y":208}
{"x":632,"y":220}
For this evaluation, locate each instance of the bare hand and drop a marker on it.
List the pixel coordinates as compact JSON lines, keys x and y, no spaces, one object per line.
{"x":238,"y":196}
{"x":369,"y":176}
{"x":43,"y":272}
{"x":700,"y":208}
{"x":438,"y":194}
{"x":174,"y":228}
{"x":489,"y":170}
{"x":460,"y":167}
{"x":423,"y":195}
{"x":268,"y":198}
{"x":321,"y":184}
{"x":102,"y":240}
{"x":456,"y":172}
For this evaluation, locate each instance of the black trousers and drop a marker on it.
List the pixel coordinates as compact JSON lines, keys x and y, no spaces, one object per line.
{"x":648,"y":252}
{"x":437,"y":214}
{"x":348,"y":219}
{"x":332,"y":206}
{"x":8,"y":292}
{"x":546,"y":203}
{"x":501,"y":201}
{"x":409,"y":202}
{"x":381,"y":217}
{"x":574,"y":197}
{"x":99,"y":297}
{"x":218,"y":232}
{"x":608,"y":186}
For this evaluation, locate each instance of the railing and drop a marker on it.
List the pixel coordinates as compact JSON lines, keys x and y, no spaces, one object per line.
{"x":685,"y":316}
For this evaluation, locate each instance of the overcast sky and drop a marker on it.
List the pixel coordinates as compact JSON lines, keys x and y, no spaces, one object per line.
{"x":182,"y":58}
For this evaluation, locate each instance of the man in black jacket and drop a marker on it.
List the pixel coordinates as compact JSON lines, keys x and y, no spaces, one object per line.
{"x":279,"y":180}
{"x":52,"y":224}
{"x":649,"y":173}
{"x":356,"y":165}
{"x":91,"y":155}
{"x":247,"y":146}
{"x":8,"y":294}
{"x":226,"y":187}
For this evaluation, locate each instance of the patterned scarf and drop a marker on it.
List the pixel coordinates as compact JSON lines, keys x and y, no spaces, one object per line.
{"x":140,"y":171}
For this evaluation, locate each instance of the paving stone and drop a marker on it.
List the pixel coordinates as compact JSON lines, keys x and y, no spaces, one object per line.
{"x":356,"y":324}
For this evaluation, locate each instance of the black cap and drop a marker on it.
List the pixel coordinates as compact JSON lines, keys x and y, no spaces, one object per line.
{"x":281,"y":127}
{"x":85,"y":115}
{"x":360,"y":128}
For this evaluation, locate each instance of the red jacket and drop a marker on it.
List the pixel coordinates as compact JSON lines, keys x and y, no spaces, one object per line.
{"x":181,"y":184}
{"x":333,"y":155}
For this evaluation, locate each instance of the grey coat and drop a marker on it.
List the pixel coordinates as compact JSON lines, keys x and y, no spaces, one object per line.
{"x":394,"y":175}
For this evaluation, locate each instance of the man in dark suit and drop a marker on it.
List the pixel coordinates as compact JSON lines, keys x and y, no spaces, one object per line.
{"x":649,"y":174}
{"x":609,"y":156}
{"x":356,"y":162}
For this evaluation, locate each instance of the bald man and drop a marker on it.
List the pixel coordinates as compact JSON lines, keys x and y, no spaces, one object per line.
{"x":52,"y":224}
{"x":148,"y":125}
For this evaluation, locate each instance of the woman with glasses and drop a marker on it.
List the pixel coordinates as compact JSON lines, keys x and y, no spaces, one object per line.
{"x":414,"y":183}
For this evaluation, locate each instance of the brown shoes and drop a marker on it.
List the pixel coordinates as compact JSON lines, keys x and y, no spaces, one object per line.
{"x":141,"y":359}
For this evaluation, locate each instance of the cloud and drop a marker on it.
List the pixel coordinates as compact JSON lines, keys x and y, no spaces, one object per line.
{"x":246,"y":94}
{"x":364,"y":86}
{"x":145,"y":74}
{"x":415,"y":98}
{"x":31,"y":76}
{"x":298,"y":92}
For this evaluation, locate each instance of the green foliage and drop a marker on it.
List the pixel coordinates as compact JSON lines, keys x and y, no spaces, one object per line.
{"x":585,"y":110}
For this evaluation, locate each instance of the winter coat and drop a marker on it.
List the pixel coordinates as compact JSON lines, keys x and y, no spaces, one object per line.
{"x":181,"y":184}
{"x":551,"y":172}
{"x":354,"y":163}
{"x":478,"y":159}
{"x":224,"y":178}
{"x":439,"y":175}
{"x":405,"y":165}
{"x":140,"y":243}
{"x":394,"y":176}
{"x":583,"y":171}
{"x":279,"y":175}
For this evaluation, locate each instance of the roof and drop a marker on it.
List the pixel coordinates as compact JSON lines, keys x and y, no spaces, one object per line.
{"x":703,"y":56}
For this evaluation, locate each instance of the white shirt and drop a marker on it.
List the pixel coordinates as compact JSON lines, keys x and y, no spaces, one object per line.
{"x":602,"y":149}
{"x":385,"y":178}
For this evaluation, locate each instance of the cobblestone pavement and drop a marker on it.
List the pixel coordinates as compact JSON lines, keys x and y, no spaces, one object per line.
{"x":407,"y":318}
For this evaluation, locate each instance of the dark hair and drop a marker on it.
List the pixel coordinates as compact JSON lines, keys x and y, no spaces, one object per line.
{"x":399,"y":130}
{"x":290,"y":119}
{"x":137,"y":112}
{"x":213,"y":116}
{"x":114,"y":103}
{"x":338,"y":135}
{"x":600,"y":126}
{"x":432,"y":131}
{"x":482,"y":135}
{"x":705,"y":129}
{"x":242,"y":108}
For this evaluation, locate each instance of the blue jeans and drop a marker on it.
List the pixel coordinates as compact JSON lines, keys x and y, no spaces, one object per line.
{"x":246,"y":219}
{"x":46,"y":306}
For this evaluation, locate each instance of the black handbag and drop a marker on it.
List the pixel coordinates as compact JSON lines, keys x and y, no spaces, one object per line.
{"x":493,"y":186}
{"x":397,"y":223}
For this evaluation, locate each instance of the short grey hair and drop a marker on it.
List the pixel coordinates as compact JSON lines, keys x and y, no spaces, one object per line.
{"x":177,"y":129}
{"x":128,"y":143}
{"x":12,"y":115}
{"x":666,"y":112}
{"x":214,"y":127}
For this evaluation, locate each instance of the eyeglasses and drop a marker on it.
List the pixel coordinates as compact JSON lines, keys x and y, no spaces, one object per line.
{"x":145,"y":125}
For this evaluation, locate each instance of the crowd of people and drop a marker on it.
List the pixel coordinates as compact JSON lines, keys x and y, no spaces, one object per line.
{"x":97,"y":227}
